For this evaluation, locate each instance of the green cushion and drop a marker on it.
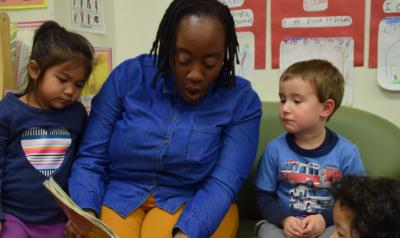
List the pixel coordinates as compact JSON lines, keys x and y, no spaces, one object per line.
{"x":377,"y":139}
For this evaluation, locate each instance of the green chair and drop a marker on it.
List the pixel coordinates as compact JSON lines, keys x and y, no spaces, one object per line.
{"x":377,"y":139}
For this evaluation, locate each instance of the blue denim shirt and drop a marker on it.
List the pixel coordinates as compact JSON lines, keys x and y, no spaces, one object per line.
{"x":143,"y":139}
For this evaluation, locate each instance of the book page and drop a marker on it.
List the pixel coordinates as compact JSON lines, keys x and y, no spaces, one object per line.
{"x":86,"y":224}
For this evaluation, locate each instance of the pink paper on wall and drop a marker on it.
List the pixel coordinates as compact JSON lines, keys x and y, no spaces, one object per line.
{"x":317,"y":18}
{"x":379,"y":10}
{"x":256,"y":23}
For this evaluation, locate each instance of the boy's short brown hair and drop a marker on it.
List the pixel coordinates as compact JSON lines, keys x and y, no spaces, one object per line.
{"x":326,"y":79}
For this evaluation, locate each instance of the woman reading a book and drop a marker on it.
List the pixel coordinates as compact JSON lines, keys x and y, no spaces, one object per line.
{"x":173,"y":134}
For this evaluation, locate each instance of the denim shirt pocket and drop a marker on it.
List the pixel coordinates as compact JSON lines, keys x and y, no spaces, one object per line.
{"x":204,"y":141}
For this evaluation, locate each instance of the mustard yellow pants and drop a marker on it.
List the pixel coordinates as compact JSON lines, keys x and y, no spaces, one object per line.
{"x":149,"y":221}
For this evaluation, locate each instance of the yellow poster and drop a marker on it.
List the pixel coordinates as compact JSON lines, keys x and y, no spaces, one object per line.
{"x":101,"y":70}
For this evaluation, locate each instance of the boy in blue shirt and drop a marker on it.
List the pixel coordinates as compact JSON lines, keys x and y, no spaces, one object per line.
{"x":298,"y":167}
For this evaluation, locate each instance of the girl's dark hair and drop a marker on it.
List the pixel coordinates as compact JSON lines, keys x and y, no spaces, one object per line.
{"x":54,"y":45}
{"x":164,"y":45}
{"x":373,"y":202}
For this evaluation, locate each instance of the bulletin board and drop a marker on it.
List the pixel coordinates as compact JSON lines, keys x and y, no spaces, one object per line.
{"x":323,"y":18}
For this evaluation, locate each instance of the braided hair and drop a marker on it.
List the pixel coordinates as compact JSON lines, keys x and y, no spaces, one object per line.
{"x":164,"y":45}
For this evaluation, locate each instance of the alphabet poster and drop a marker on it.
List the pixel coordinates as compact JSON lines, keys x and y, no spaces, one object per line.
{"x":88,"y":16}
{"x":379,"y":10}
{"x":317,"y":18}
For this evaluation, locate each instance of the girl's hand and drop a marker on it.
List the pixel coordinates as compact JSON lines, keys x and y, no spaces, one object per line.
{"x":70,"y":230}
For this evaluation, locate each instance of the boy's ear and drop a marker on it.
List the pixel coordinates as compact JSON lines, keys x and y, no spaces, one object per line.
{"x":33,"y":69}
{"x":328,"y":108}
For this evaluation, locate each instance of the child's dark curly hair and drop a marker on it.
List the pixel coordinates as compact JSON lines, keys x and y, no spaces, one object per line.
{"x":374,"y":204}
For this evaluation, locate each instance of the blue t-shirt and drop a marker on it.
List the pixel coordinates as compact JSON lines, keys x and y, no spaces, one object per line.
{"x":36,"y":144}
{"x":301,"y":178}
{"x":143,"y":139}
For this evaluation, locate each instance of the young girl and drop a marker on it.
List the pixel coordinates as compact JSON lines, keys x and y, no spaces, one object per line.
{"x":39,"y":132}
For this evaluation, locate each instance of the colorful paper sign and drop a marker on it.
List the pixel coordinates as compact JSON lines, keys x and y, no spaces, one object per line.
{"x":250,"y":16}
{"x":379,"y":10}
{"x":317,"y":18}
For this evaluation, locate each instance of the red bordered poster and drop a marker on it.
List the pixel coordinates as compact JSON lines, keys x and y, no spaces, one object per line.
{"x":317,"y":18}
{"x":379,"y":10}
{"x":250,"y":17}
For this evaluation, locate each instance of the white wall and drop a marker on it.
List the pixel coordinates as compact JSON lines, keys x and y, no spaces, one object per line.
{"x":132,"y":24}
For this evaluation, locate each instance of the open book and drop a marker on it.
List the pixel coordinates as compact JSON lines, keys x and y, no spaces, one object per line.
{"x":86,"y":223}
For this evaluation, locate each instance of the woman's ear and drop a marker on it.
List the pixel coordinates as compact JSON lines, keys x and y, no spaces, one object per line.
{"x":328,"y":108}
{"x":33,"y":69}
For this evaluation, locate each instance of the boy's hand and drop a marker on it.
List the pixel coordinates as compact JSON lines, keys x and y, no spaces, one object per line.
{"x":313,"y":226}
{"x":292,"y":227}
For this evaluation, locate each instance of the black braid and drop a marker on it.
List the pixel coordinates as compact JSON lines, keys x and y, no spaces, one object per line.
{"x":163,"y":48}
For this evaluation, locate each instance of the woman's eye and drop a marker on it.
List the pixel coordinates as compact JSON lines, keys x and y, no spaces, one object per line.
{"x":210,"y":63}
{"x":209,"y":66}
{"x":182,"y":59}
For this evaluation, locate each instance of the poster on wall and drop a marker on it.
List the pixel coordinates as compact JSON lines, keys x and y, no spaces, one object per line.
{"x":339,"y":51}
{"x":322,"y":18}
{"x":250,"y":21}
{"x":101,"y":70}
{"x":88,"y":16}
{"x":379,"y":10}
{"x":22,"y":4}
{"x":21,"y":43}
{"x":245,"y":68}
{"x":389,"y":53}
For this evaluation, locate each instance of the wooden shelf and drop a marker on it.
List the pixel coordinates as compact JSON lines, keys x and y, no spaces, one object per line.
{"x":7,"y":77}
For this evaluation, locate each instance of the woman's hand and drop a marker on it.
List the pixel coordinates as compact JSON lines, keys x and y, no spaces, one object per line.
{"x":180,"y":234}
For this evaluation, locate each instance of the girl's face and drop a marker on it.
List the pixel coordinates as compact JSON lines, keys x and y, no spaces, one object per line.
{"x":343,"y":218}
{"x":61,"y":85}
{"x":199,"y":57}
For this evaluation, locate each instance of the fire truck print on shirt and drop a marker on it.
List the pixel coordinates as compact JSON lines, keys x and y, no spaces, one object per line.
{"x":45,"y":149}
{"x":311,"y":182}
